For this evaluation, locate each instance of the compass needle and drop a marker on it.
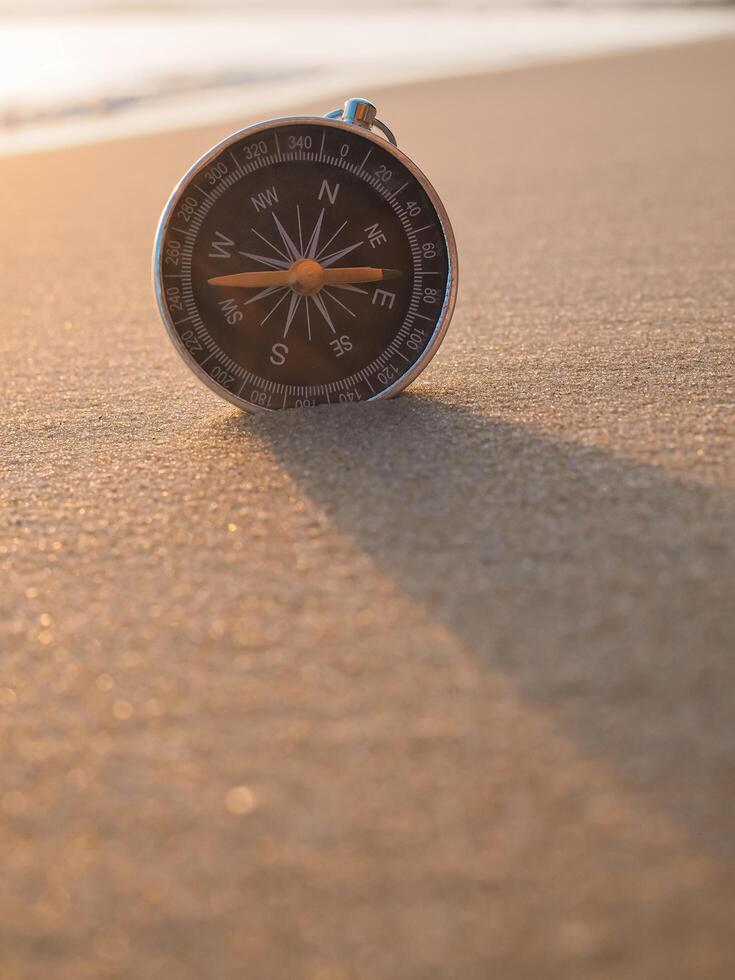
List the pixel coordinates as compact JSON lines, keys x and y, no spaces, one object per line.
{"x":318,"y":266}
{"x":334,"y":277}
{"x":304,"y":275}
{"x":250,"y":280}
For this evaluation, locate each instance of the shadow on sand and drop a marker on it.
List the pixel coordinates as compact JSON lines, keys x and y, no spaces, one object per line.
{"x":600,"y":587}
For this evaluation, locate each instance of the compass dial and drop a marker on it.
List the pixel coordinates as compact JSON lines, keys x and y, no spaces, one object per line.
{"x":304,"y":262}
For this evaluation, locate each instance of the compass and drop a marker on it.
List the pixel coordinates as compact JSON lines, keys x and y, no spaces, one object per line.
{"x":306,"y":261}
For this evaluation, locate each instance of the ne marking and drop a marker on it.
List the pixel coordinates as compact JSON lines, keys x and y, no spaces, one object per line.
{"x":366,"y":158}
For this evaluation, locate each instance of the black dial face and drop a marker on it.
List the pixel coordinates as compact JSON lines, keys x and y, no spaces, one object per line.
{"x":304,"y":263}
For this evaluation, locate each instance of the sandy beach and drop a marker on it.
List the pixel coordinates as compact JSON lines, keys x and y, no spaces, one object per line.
{"x":433,"y":688}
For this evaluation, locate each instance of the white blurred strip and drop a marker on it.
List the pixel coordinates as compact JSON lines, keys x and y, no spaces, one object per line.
{"x":163,"y":64}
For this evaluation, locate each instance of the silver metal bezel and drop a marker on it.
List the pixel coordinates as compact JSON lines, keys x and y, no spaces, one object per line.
{"x":449,"y":298}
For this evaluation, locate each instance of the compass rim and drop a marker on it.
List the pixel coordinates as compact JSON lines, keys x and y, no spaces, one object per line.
{"x":450,"y":296}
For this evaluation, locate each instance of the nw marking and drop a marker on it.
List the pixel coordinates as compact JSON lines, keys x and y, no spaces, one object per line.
{"x":266,"y":199}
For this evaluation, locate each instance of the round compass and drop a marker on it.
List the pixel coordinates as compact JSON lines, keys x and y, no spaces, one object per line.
{"x":306,"y":261}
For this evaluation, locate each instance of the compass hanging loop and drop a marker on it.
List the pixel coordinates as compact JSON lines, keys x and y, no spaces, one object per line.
{"x":360,"y":112}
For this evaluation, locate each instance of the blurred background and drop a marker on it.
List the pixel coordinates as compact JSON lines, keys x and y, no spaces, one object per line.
{"x":80,"y":71}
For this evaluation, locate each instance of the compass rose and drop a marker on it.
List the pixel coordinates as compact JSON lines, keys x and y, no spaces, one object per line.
{"x":303,"y":273}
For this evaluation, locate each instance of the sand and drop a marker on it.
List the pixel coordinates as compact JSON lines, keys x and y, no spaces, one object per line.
{"x":440,"y":687}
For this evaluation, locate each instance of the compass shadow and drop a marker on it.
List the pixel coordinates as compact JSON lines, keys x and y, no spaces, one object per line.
{"x":598,"y":586}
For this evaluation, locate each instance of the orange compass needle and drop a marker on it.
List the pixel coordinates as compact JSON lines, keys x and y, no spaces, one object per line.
{"x":304,"y":274}
{"x":334,"y":277}
{"x":252,"y":280}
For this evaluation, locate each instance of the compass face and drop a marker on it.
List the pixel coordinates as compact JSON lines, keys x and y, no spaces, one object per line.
{"x":305,"y":262}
